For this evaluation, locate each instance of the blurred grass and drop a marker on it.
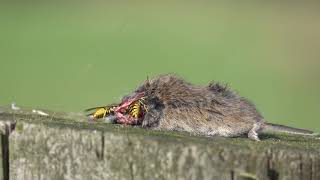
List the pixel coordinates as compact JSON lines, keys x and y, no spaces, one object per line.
{"x":70,"y":56}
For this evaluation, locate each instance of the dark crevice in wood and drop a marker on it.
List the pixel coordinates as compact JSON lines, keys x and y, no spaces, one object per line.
{"x":311,"y":164}
{"x":231,"y":175}
{"x":272,"y":173}
{"x":5,"y":150}
{"x":5,"y":156}
{"x":301,"y":167}
{"x":100,"y":150}
{"x":102,"y":145}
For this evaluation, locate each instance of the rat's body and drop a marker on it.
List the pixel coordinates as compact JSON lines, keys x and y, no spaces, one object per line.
{"x":213,"y":110}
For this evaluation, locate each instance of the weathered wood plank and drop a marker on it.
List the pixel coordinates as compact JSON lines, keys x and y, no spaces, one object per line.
{"x":55,"y":148}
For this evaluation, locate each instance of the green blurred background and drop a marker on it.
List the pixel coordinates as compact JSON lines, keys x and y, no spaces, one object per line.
{"x":68,"y":56}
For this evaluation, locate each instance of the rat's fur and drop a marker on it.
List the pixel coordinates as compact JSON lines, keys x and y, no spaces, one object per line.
{"x":175,"y":104}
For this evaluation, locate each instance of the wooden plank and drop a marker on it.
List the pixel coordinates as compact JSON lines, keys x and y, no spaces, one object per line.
{"x":55,"y":148}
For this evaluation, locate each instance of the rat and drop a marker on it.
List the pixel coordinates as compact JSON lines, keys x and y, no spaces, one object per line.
{"x":213,"y":110}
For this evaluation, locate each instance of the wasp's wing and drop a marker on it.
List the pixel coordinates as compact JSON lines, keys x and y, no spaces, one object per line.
{"x":94,"y":108}
{"x":98,"y":107}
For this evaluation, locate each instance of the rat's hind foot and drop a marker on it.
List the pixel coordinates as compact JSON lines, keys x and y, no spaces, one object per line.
{"x":252,"y":134}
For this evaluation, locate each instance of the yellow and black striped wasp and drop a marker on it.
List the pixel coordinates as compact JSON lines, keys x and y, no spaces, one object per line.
{"x":102,"y":111}
{"x":138,"y":108}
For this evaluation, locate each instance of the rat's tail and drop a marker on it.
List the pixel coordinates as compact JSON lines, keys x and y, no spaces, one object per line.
{"x":286,"y":129}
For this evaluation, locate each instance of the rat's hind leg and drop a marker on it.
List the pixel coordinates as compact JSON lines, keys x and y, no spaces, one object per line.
{"x":253,"y":133}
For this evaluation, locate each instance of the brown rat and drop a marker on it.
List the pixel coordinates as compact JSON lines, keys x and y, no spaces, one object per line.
{"x":213,"y":110}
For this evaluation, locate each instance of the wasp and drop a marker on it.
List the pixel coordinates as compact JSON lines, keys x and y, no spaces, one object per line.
{"x":138,"y":108}
{"x":102,"y":111}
